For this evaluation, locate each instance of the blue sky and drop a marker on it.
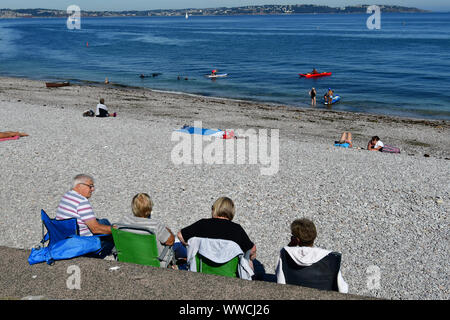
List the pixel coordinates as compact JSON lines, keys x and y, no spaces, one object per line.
{"x":435,"y":5}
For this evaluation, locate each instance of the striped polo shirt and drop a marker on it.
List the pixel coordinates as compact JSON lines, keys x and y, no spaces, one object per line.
{"x":74,"y":205}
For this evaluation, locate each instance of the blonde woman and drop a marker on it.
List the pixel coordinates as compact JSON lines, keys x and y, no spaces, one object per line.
{"x":142,"y":207}
{"x":220,"y":226}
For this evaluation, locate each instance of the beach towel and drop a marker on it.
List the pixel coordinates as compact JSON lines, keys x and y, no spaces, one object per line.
{"x":10,"y":138}
{"x":207,"y":132}
{"x":343,"y":145}
{"x":390,"y":149}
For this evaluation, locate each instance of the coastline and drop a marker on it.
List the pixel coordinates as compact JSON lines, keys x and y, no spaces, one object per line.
{"x":387,"y":210}
{"x":414,"y":144}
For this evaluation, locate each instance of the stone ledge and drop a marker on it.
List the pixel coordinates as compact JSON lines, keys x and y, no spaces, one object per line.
{"x":112,"y":280}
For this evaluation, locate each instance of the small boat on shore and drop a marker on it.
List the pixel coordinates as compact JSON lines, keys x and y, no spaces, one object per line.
{"x":315,"y":75}
{"x":57,"y":84}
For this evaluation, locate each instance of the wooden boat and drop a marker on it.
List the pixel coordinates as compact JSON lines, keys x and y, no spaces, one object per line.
{"x":57,"y":84}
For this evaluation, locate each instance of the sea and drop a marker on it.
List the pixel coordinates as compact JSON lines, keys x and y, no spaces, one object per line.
{"x":401,"y":69}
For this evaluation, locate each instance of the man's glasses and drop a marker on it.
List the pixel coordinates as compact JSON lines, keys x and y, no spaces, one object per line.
{"x":91,"y":186}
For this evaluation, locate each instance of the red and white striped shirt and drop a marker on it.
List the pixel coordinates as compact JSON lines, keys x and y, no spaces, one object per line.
{"x":74,"y":205}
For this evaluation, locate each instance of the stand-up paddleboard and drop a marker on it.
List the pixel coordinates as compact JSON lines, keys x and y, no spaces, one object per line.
{"x":222,"y":75}
{"x":315,"y":75}
{"x":334,"y":99}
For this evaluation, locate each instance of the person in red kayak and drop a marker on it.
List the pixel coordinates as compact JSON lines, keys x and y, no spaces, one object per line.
{"x":314,"y":71}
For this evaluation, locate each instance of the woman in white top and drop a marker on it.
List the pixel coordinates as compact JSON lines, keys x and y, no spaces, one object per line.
{"x":375,"y":144}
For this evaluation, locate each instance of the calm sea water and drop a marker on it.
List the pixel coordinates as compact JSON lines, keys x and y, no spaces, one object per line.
{"x":402,"y":69}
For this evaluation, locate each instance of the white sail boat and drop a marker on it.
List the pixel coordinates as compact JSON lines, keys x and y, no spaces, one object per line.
{"x":187,"y":16}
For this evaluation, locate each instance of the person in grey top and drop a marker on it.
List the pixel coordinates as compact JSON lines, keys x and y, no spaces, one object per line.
{"x":142,"y":206}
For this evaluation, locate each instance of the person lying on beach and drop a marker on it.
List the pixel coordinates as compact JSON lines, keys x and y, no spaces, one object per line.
{"x":10,"y":134}
{"x":375,"y":144}
{"x":345,"y":140}
{"x":102,"y":110}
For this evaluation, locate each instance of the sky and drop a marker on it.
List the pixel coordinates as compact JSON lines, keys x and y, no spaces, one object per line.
{"x":118,"y":5}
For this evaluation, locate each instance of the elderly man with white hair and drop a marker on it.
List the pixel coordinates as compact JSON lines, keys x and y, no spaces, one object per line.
{"x":75,"y":204}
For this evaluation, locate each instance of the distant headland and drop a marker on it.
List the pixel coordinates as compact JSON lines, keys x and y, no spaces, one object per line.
{"x":221,"y":11}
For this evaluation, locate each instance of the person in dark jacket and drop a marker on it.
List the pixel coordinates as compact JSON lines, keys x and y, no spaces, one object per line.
{"x":300,"y":263}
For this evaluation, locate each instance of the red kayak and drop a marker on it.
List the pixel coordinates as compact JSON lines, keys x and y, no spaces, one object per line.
{"x":315,"y":75}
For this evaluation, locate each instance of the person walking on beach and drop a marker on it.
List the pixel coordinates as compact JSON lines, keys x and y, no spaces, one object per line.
{"x":102,"y":110}
{"x":75,"y":204}
{"x":312,"y":94}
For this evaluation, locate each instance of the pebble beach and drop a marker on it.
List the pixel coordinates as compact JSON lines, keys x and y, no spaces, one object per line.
{"x":386,"y":213}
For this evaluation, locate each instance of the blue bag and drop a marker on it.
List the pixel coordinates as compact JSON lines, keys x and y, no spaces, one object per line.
{"x":72,"y":247}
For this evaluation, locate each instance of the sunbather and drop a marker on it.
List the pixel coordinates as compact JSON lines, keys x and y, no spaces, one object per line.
{"x":10,"y":134}
{"x":345,"y":140}
{"x":375,"y":144}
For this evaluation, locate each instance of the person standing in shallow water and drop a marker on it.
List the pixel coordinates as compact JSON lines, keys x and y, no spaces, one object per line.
{"x":312,"y":94}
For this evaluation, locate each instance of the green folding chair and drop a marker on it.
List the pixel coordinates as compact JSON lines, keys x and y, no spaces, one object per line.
{"x":227,"y":269}
{"x":136,"y":248}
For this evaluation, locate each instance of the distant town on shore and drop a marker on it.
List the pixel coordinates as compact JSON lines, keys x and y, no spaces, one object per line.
{"x":221,"y":11}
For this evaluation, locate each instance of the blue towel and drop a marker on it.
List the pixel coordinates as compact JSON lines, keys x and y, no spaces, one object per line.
{"x":343,"y":145}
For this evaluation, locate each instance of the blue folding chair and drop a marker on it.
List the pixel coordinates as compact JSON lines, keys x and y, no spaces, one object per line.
{"x":57,"y":230}
{"x":63,"y":241}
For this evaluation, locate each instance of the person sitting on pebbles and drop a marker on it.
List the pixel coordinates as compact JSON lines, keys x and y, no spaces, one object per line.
{"x":102,"y":110}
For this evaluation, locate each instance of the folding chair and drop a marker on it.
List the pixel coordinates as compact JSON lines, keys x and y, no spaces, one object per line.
{"x":63,"y":241}
{"x":57,"y":230}
{"x":139,"y":248}
{"x":227,"y":269}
